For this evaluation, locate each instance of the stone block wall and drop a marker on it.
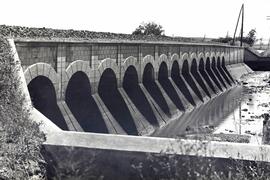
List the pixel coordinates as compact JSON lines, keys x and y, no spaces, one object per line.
{"x":62,"y":55}
{"x":148,"y":50}
{"x":33,"y":53}
{"x":78,"y":52}
{"x":130,"y":50}
{"x":107,"y":51}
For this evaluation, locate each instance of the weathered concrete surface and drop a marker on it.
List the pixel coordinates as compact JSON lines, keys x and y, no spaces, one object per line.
{"x":46,"y":125}
{"x":86,"y":79}
{"x":124,"y":165}
{"x":255,"y":61}
{"x":83,"y":155}
{"x":237,"y":70}
{"x":156,"y":145}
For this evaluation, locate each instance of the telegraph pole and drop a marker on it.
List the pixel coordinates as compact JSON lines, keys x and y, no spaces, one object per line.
{"x":268,"y":18}
{"x":242,"y":24}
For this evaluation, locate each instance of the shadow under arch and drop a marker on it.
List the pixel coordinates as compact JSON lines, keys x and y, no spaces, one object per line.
{"x":82,"y":105}
{"x":223,"y":65}
{"x":175,"y":74}
{"x":168,"y":87}
{"x":211,"y":74}
{"x":134,"y":92}
{"x":222,"y":72}
{"x":214,"y":67}
{"x":151,"y":86}
{"x":205,"y":75}
{"x":186,"y":74}
{"x":194,"y":71}
{"x":43,"y":97}
{"x":107,"y":89}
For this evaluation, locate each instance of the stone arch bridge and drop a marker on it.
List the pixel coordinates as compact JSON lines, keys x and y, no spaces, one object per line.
{"x":128,"y":87}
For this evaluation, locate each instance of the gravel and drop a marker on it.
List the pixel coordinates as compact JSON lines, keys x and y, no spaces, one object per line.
{"x":48,"y":33}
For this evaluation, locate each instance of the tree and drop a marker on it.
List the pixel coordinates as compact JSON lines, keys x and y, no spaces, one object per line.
{"x":250,"y":39}
{"x":150,"y":28}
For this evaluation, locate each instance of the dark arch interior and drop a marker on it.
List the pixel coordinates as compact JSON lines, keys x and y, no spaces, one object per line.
{"x":168,"y":87}
{"x":205,"y":75}
{"x":180,"y":82}
{"x":153,"y":89}
{"x":113,"y":100}
{"x":225,"y":69}
{"x":196,"y":75}
{"x":214,"y":67}
{"x":133,"y":90}
{"x":82,"y":104}
{"x":43,"y":97}
{"x":222,"y":72}
{"x":189,"y":79}
{"x":211,"y":74}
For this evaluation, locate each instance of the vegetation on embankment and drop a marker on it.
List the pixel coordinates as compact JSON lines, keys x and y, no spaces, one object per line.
{"x":20,"y":138}
{"x":48,"y":33}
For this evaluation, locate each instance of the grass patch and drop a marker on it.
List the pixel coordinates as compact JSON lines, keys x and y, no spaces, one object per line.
{"x":20,"y":138}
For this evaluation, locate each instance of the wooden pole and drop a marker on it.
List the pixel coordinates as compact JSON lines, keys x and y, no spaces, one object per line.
{"x":242,"y":26}
{"x":237,"y":25}
{"x":268,"y":18}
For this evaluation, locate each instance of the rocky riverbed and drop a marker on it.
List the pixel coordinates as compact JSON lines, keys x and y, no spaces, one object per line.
{"x":236,"y":115}
{"x":253,"y":104}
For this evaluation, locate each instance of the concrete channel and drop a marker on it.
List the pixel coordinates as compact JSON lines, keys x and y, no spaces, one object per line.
{"x":109,"y":106}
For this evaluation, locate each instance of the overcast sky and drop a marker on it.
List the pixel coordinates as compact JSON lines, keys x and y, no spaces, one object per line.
{"x":190,"y":18}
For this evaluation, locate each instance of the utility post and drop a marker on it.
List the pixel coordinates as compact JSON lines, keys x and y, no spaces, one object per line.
{"x":242,"y":25}
{"x":268,"y":18}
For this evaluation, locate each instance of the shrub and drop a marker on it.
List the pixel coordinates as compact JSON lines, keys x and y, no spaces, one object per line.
{"x":20,"y":138}
{"x":171,"y":166}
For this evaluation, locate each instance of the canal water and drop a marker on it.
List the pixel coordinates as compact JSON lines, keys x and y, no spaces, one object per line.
{"x":238,"y":111}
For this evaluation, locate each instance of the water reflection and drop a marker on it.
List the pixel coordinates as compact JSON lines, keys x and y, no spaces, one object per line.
{"x":206,"y":118}
{"x":239,"y":110}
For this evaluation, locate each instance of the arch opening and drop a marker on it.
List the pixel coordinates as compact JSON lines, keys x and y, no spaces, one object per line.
{"x":133,"y":90}
{"x":151,"y":86}
{"x":222,"y":72}
{"x":211,"y":74}
{"x":82,"y":105}
{"x":198,"y":78}
{"x":186,"y":74}
{"x":43,"y":98}
{"x":205,"y":75}
{"x":214,"y":67}
{"x":175,"y":74}
{"x":168,"y":87}
{"x":107,"y":89}
{"x":223,"y":65}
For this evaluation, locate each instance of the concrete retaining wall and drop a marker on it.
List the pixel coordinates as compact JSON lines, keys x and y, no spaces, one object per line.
{"x":168,"y":80}
{"x":255,"y":61}
{"x":83,"y":155}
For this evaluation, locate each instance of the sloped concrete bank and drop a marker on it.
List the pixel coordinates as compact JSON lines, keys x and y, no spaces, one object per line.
{"x":238,"y":70}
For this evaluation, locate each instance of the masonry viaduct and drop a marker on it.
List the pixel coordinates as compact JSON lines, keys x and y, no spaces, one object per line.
{"x":123,"y":87}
